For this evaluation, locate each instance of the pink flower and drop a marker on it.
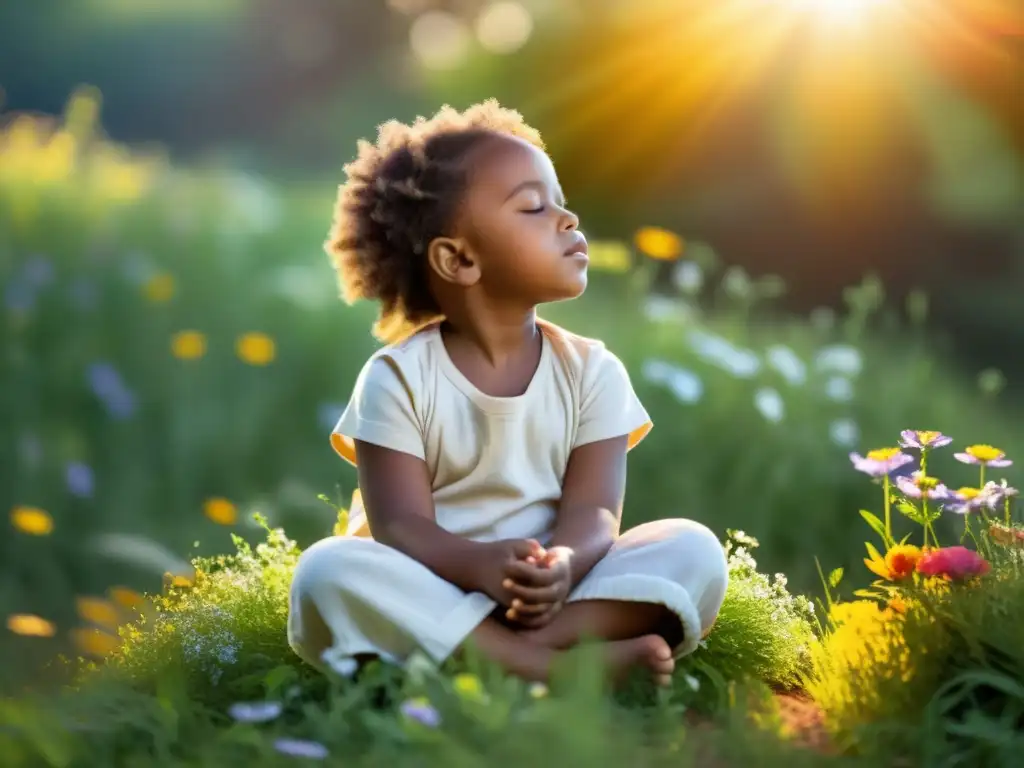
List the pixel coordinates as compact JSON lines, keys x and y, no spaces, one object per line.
{"x":954,"y":563}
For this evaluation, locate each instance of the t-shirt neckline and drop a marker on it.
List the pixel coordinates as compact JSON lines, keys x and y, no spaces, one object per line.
{"x":486,"y":402}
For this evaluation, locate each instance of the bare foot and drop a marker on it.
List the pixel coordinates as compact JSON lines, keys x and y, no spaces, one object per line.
{"x":650,"y":651}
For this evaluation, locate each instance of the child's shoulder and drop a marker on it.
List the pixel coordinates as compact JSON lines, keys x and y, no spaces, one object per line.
{"x":583,"y":357}
{"x":409,"y":358}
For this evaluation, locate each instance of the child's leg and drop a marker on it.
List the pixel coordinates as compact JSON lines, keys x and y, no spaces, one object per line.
{"x":533,"y":660}
{"x":607,"y":620}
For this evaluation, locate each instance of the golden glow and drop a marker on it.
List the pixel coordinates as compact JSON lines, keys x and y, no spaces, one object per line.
{"x":842,"y":12}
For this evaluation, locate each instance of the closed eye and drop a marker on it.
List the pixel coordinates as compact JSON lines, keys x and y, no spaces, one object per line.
{"x":541,"y":209}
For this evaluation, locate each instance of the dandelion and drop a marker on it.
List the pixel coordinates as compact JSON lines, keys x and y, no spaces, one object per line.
{"x":79,"y":479}
{"x":923,"y":439}
{"x":769,"y":404}
{"x":96,"y":610}
{"x":32,"y":521}
{"x":880,"y":462}
{"x":30,"y":625}
{"x":953,"y":564}
{"x":255,"y":712}
{"x":421,"y":711}
{"x":256,"y":348}
{"x":984,"y":455}
{"x":789,"y":365}
{"x":188,"y":345}
{"x":658,"y":243}
{"x":311,"y":750}
{"x":159,"y":288}
{"x":220,"y":511}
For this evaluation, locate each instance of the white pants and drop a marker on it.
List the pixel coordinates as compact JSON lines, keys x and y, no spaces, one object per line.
{"x":353,"y":595}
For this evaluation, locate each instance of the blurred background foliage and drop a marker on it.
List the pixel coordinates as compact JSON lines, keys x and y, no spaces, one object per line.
{"x":839,"y":172}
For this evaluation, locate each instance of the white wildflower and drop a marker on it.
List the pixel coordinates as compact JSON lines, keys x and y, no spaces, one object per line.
{"x":839,"y":389}
{"x":844,"y":432}
{"x":789,"y":365}
{"x":769,"y":403}
{"x":839,"y":358}
{"x":255,"y":712}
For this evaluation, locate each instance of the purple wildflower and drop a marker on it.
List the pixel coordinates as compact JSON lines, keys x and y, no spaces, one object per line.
{"x":996,"y":494}
{"x":921,"y":486}
{"x":984,"y":455}
{"x":312,"y":750}
{"x":923,"y":439}
{"x":879,"y":462}
{"x":422,"y":712}
{"x":79,"y":479}
{"x":107,"y":385}
{"x":964,"y":501}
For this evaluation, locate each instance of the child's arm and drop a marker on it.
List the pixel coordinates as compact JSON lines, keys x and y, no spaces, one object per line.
{"x":399,"y":505}
{"x":586,"y":527}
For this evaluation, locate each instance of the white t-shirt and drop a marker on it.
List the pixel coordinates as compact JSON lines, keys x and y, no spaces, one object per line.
{"x":496,"y":463}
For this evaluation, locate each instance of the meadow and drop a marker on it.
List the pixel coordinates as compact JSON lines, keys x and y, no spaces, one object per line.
{"x":174,"y":356}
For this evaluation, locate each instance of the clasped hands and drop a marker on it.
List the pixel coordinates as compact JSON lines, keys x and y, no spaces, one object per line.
{"x":530,"y":581}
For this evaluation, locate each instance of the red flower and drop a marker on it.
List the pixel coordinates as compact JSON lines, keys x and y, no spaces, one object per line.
{"x":954,"y":563}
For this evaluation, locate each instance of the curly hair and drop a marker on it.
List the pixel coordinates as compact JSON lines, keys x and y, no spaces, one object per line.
{"x":400,"y":194}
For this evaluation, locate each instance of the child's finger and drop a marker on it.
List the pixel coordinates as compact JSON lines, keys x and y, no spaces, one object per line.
{"x":522,"y":609}
{"x":531,"y":595}
{"x":530,"y":575}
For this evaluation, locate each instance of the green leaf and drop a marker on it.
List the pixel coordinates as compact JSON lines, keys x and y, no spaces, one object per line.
{"x":835,"y":577}
{"x":279,"y":677}
{"x":876,"y":525}
{"x":911,"y":511}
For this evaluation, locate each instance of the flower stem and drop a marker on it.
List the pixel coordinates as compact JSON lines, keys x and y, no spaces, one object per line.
{"x":1006,"y":509}
{"x":888,"y":511}
{"x":924,"y":515}
{"x":981,"y":482}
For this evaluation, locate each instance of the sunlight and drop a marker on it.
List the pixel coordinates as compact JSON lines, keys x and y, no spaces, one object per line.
{"x":840,"y":12}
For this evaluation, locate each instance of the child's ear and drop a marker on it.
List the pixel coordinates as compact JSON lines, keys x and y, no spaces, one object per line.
{"x":452,"y":261}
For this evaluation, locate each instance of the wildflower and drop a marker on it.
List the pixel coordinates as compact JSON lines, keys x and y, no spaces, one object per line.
{"x":1005,"y":535}
{"x":160,"y":288}
{"x":468,"y":685}
{"x":220,"y":511}
{"x":256,"y":348}
{"x":922,"y":440}
{"x":127,"y":598}
{"x":844,"y":432}
{"x":312,"y":750}
{"x":985,"y":455}
{"x":787,"y":363}
{"x":769,"y":404}
{"x":29,"y":625}
{"x":839,"y":389}
{"x":953,"y":563}
{"x":922,"y":486}
{"x":96,"y":610}
{"x":32,"y":520}
{"x":94,"y":642}
{"x":839,"y":358}
{"x":685,"y":384}
{"x":665,"y":309}
{"x":538,"y":691}
{"x":880,"y":461}
{"x":79,"y":479}
{"x":255,"y":712}
{"x":609,"y":256}
{"x":736,"y":284}
{"x":658,"y":243}
{"x":421,"y":711}
{"x":898,"y":564}
{"x":188,"y":345}
{"x":741,"y":363}
{"x":997,"y":493}
{"x":109,"y":388}
{"x":965,"y":500}
{"x":692,"y":682}
{"x":688,"y":277}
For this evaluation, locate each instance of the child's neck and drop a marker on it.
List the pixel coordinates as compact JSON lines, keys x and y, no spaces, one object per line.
{"x":495,"y":337}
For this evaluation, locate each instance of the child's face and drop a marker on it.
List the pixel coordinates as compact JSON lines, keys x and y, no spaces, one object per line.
{"x":527,"y":244}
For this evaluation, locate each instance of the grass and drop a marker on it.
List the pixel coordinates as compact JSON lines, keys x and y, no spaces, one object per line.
{"x":174,"y":356}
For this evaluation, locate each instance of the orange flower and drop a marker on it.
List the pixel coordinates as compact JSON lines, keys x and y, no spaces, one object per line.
{"x":221,"y":511}
{"x":256,"y":348}
{"x":32,"y":520}
{"x":94,"y":642}
{"x":899,"y":562}
{"x":659,"y":243}
{"x":188,"y":345}
{"x":29,"y":625}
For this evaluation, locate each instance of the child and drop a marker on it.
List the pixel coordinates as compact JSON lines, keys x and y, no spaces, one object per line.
{"x":490,"y":445}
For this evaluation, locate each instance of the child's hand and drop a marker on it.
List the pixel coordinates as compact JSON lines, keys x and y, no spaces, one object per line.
{"x":539,"y":587}
{"x":491,"y":561}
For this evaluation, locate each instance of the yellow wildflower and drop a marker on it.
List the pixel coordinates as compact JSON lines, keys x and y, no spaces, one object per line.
{"x":609,"y":256}
{"x":221,"y":511}
{"x":127,"y":598}
{"x":256,"y":348}
{"x":897,"y":564}
{"x":32,"y":520}
{"x":468,"y":685}
{"x":659,"y":243}
{"x":94,"y":642}
{"x":160,"y":288}
{"x":29,"y":625}
{"x":188,"y":345}
{"x":96,"y":610}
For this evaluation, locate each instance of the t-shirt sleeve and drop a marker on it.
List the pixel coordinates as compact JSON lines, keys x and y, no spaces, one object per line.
{"x":608,"y":405}
{"x":382,"y":411}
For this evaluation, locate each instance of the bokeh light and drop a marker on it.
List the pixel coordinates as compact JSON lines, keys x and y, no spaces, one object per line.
{"x":439,"y":39}
{"x":504,"y":26}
